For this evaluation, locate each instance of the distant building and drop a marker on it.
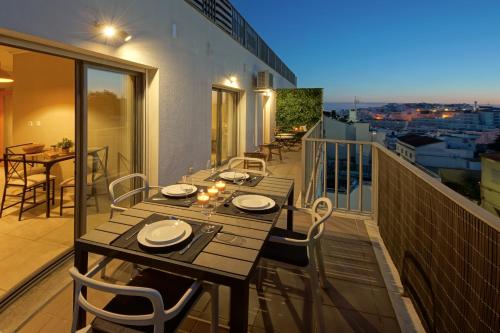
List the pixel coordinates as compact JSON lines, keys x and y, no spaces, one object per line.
{"x":490,"y":182}
{"x":435,"y":154}
{"x":407,"y":145}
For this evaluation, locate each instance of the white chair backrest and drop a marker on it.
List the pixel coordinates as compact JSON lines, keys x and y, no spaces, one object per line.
{"x":156,"y":318}
{"x":319,"y":216}
{"x":236,"y":161}
{"x":116,"y":200}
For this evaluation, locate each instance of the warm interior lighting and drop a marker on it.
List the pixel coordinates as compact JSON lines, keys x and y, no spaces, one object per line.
{"x":233,"y":79}
{"x":4,"y":76}
{"x":127,"y":38}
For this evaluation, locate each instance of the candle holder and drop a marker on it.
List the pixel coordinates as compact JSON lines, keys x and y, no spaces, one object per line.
{"x":213,"y":193}
{"x":221,"y":186}
{"x":203,"y":198}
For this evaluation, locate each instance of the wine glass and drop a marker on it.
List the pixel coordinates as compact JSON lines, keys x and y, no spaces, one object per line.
{"x":185,"y":186}
{"x":238,"y":181}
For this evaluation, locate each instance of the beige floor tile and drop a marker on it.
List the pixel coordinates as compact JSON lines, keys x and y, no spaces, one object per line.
{"x":27,"y":260}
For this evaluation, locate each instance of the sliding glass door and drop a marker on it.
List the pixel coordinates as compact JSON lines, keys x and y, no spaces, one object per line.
{"x":224,"y":125}
{"x":113,"y":137}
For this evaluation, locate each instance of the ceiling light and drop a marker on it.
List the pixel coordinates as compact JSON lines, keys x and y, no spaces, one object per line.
{"x":4,"y":76}
{"x":127,"y":37}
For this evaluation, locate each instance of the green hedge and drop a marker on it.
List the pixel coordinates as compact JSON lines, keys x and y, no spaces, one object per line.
{"x":297,"y":107}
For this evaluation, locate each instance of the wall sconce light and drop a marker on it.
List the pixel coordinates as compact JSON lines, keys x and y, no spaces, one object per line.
{"x":233,"y":79}
{"x":268,"y":93}
{"x":111,"y":33}
{"x":4,"y":76}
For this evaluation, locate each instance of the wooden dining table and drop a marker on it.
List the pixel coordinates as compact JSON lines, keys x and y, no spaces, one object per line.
{"x":230,"y":258}
{"x":47,"y":163}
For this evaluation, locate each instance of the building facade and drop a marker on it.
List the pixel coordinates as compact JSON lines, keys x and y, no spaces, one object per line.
{"x":158,"y":86}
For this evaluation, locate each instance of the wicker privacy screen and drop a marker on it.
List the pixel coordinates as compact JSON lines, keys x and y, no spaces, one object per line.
{"x":448,"y":257}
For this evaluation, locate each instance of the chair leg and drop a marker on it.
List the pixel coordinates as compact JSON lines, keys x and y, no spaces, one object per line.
{"x":22,"y":203}
{"x":316,"y":293}
{"x":53,"y":192}
{"x":94,"y":194}
{"x":321,"y":265}
{"x":214,"y":294}
{"x":260,"y":274}
{"x":61,"y":200}
{"x":3,"y":199}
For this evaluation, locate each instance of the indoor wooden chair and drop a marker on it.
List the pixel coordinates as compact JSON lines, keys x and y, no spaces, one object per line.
{"x":152,"y":301}
{"x":17,"y":177}
{"x":98,"y":172}
{"x":294,"y":250}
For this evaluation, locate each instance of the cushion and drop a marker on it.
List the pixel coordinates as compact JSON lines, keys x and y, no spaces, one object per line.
{"x":290,"y":254}
{"x":32,"y":180}
{"x":171,"y":287}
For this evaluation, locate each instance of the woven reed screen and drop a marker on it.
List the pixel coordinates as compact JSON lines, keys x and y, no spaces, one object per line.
{"x":448,"y":259}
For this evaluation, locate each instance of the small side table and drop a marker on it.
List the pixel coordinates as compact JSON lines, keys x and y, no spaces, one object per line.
{"x":272,"y":149}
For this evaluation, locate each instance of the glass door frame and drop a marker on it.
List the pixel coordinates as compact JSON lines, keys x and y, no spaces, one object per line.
{"x":218,"y":159}
{"x":81,"y":133}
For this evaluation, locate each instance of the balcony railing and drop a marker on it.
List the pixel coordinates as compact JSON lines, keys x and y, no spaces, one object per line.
{"x":226,"y":17}
{"x":445,"y":248}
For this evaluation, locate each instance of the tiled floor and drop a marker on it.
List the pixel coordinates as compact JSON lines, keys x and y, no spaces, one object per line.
{"x":34,"y":241}
{"x":356,"y":299}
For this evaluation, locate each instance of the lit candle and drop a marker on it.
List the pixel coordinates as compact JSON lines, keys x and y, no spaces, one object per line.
{"x":212,"y":192}
{"x":221,"y":186}
{"x":202,"y":198}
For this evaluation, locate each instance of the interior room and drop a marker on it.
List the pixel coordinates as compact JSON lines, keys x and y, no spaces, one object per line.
{"x":37,"y":124}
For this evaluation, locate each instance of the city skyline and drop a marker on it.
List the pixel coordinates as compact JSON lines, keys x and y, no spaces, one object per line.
{"x":387,"y":51}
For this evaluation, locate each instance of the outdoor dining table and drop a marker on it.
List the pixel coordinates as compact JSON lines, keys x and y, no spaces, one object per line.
{"x":229,"y":260}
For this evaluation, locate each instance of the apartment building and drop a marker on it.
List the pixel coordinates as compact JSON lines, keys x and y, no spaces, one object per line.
{"x":138,"y":86}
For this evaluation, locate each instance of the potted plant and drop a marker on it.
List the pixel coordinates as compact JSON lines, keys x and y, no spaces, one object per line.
{"x":65,"y":145}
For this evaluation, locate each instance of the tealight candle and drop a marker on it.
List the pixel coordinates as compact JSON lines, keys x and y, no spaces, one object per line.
{"x":221,"y":186}
{"x":213,"y":192}
{"x":202,"y":198}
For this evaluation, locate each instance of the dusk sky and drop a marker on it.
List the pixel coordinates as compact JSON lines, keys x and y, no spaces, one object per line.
{"x":386,"y":50}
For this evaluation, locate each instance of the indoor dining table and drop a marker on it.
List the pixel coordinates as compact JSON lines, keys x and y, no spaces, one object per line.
{"x":47,"y":163}
{"x":230,"y":258}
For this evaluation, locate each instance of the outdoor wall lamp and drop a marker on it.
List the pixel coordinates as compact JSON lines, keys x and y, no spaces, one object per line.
{"x":110,"y":32}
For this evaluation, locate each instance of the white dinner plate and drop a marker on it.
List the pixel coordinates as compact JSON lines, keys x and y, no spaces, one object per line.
{"x":179,"y":190}
{"x":164,"y":233}
{"x":253,"y":202}
{"x":232,"y":175}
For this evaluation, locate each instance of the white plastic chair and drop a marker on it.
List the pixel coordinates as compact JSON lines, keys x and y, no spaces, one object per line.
{"x":294,"y":250}
{"x":235,"y":162}
{"x":116,"y":200}
{"x":159,"y":315}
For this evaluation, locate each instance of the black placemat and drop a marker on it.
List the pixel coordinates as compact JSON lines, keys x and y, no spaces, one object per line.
{"x":228,"y":208}
{"x":252,"y":181}
{"x":129,"y":240}
{"x":184,"y":201}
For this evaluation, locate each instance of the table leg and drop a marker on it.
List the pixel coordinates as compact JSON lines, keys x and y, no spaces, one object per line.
{"x":238,"y":321}
{"x":289,"y":213}
{"x":47,"y":191}
{"x":81,"y":263}
{"x":269,"y":154}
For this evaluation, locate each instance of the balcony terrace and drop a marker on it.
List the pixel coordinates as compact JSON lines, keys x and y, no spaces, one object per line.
{"x":356,"y":299}
{"x":444,"y":248}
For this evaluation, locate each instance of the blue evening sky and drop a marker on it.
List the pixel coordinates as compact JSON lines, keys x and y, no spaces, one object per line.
{"x":386,"y":50}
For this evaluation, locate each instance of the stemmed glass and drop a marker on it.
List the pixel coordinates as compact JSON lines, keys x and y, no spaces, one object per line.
{"x":238,"y":181}
{"x":208,"y":211}
{"x":185,"y":185}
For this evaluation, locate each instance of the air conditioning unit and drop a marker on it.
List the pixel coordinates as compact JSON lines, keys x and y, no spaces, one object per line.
{"x":264,"y":80}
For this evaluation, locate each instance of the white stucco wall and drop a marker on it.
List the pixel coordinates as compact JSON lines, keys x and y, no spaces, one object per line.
{"x":200,"y":56}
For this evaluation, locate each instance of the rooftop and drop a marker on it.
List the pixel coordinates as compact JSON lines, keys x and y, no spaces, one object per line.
{"x":416,"y":140}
